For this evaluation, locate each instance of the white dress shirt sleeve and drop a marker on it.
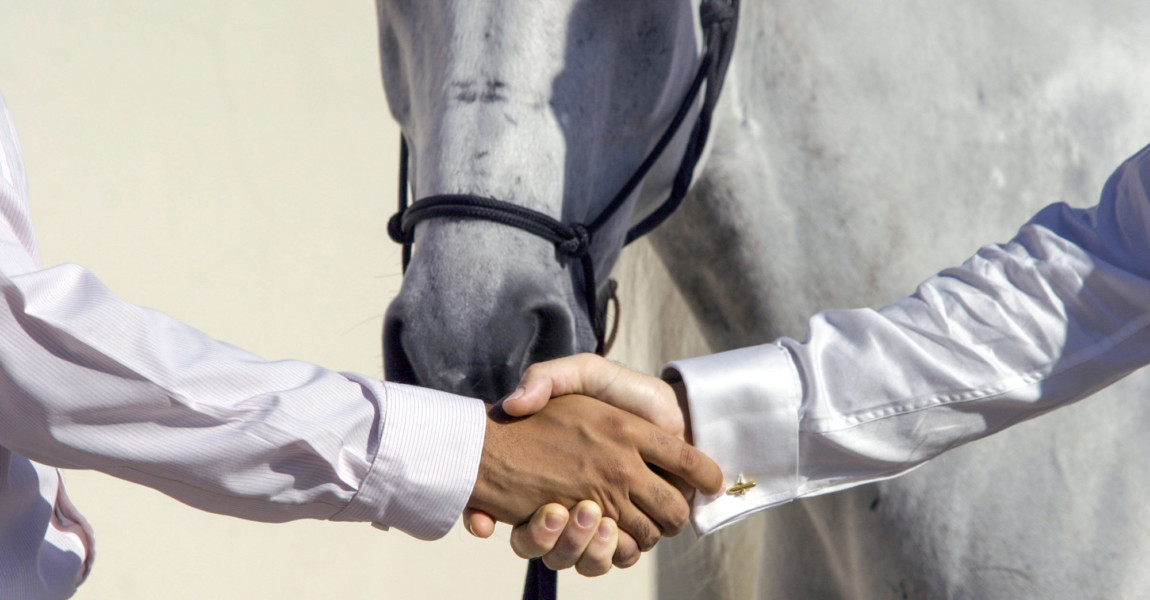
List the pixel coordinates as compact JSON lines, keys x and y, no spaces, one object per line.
{"x":1022,"y":328}
{"x":90,"y":381}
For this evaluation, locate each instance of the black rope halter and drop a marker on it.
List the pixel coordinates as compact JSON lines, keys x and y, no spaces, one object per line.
{"x":572,"y":241}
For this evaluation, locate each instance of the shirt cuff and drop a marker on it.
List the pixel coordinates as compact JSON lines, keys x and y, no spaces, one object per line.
{"x":744,"y":412}
{"x":424,"y":471}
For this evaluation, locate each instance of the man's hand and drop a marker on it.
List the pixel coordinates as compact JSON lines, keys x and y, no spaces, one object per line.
{"x":547,"y":534}
{"x":591,"y":375}
{"x":578,"y":448}
{"x":585,"y":540}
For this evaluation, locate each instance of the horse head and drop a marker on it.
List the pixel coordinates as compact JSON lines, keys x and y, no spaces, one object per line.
{"x":551,"y":106}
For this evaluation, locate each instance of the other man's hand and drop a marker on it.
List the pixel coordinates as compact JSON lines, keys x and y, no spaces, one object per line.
{"x":577,"y":448}
{"x":649,"y":397}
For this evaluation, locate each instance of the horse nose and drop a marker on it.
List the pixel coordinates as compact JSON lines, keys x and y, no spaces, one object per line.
{"x":473,"y":354}
{"x":554,"y":335}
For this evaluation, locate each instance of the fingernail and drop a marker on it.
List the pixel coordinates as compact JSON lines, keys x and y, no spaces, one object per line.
{"x":604,"y":531}
{"x":467,"y":526}
{"x":584,"y":518}
{"x":552,"y":522}
{"x":519,"y":391}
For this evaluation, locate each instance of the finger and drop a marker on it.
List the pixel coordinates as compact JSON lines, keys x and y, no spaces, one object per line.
{"x":539,"y":535}
{"x":545,"y":380}
{"x":585,"y":373}
{"x":682,"y":459}
{"x":662,"y":503}
{"x":626,"y":551}
{"x":638,"y":393}
{"x":684,"y":488}
{"x":639,"y":526}
{"x":596,"y":559}
{"x":576,"y":536}
{"x":526,"y":401}
{"x":478,"y":523}
{"x":644,"y":395}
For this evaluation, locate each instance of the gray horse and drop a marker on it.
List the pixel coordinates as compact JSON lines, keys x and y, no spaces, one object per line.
{"x":857,"y":149}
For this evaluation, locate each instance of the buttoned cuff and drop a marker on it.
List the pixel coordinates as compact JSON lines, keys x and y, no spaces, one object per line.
{"x":744,"y":412}
{"x":425,"y":469}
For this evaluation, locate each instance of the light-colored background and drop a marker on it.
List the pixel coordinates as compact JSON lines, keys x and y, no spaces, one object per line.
{"x":233,"y":164}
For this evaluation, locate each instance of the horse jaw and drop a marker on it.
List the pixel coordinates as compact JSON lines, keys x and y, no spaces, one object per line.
{"x":542,"y":104}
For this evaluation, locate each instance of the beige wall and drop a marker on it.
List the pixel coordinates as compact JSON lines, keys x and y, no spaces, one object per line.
{"x":233,"y":165}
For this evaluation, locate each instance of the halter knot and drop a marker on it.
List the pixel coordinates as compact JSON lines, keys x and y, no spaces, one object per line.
{"x":577,"y":244}
{"x":395,"y":229}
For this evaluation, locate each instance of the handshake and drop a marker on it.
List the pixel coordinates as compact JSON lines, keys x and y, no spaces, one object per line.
{"x":617,"y":462}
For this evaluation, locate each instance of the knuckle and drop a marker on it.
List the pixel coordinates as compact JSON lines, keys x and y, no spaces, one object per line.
{"x":522,"y":552}
{"x":618,"y":425}
{"x":562,"y":557}
{"x":645,"y":536}
{"x":618,"y":473}
{"x":609,"y":507}
{"x":626,"y":556}
{"x":675,"y":511}
{"x":526,"y":543}
{"x":679,"y":517}
{"x":553,"y":564}
{"x":592,"y":568}
{"x":688,"y":458}
{"x":534,"y":371}
{"x":583,"y":362}
{"x":670,"y":446}
{"x":566,"y":549}
{"x":540,"y":541}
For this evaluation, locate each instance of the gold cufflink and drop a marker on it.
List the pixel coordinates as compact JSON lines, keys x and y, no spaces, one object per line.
{"x":741,"y":486}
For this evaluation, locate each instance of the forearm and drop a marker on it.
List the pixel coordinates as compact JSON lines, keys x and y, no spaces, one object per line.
{"x":1057,"y":313}
{"x":90,"y":381}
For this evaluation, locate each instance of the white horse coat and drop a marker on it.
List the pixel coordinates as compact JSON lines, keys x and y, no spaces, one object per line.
{"x":858,"y":149}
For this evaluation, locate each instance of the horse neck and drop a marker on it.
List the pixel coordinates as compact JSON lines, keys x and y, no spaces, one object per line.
{"x":845,"y":169}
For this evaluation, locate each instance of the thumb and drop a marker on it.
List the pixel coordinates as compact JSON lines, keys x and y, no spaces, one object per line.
{"x":587,"y":374}
{"x":478,"y":523}
{"x":558,"y":377}
{"x":529,"y":398}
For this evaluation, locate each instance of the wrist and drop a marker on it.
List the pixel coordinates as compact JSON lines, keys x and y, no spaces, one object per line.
{"x":490,"y":493}
{"x":481,"y":493}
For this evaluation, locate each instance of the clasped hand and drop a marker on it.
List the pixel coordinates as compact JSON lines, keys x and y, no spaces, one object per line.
{"x":617,"y":461}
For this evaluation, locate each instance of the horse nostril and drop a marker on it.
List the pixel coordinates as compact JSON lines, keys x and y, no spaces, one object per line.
{"x":554,"y":334}
{"x":481,"y":351}
{"x":396,"y":364}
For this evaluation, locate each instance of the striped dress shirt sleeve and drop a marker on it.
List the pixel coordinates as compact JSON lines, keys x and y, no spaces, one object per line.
{"x":89,"y":381}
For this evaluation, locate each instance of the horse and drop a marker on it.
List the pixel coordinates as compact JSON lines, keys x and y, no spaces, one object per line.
{"x":856,"y":149}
